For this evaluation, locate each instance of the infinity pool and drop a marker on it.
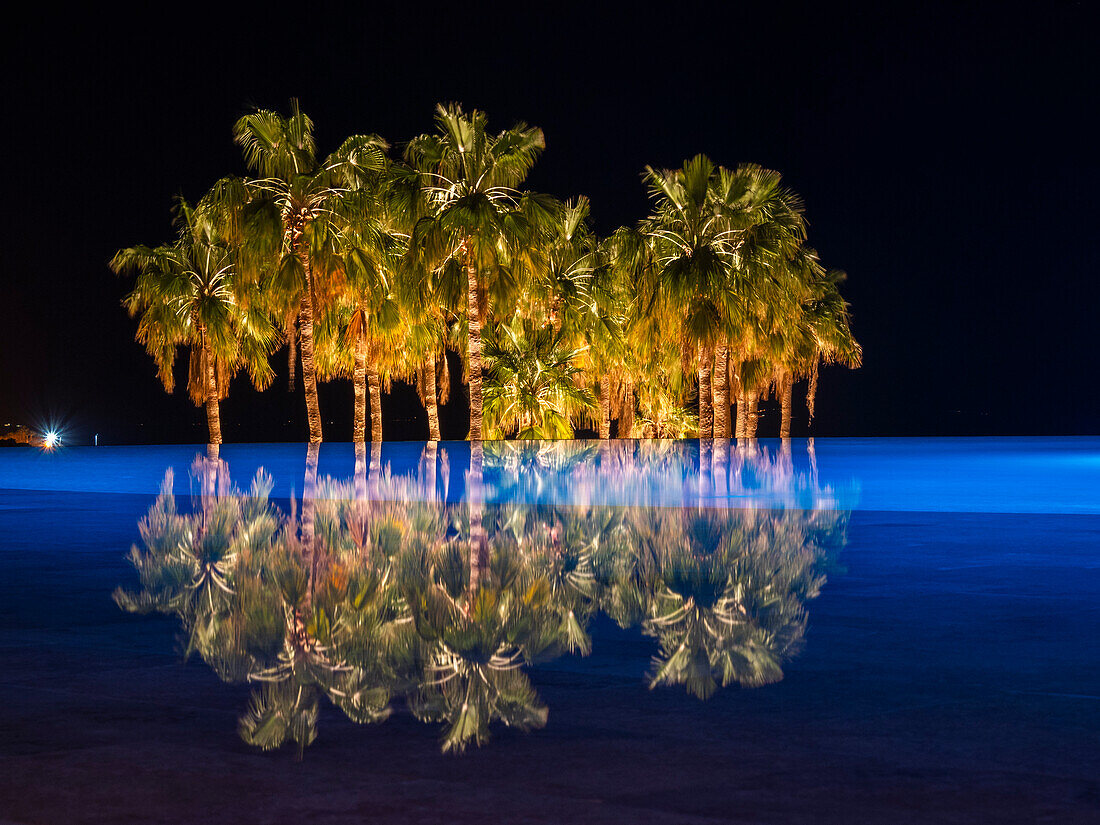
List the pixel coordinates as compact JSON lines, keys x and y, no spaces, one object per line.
{"x":871,"y":630}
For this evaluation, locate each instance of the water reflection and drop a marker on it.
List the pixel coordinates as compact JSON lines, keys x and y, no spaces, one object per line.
{"x":379,"y":589}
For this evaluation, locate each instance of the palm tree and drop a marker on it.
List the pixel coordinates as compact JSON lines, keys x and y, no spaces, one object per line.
{"x":568,"y":260}
{"x":475,"y":223}
{"x":531,"y":389}
{"x":427,"y":307}
{"x":301,"y":196}
{"x":693,"y":248}
{"x":192,"y":293}
{"x":765,"y":226}
{"x":809,"y":326}
{"x":601,"y":321}
{"x":361,"y":334}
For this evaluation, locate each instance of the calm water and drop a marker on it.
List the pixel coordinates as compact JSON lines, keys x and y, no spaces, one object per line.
{"x":848,"y":631}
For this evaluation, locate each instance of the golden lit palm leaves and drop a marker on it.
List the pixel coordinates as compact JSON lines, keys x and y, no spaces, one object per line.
{"x":693,"y":248}
{"x":191,"y":293}
{"x":359,"y":331}
{"x":477,"y":228}
{"x":828,"y":318}
{"x":531,"y":389}
{"x":716,"y":236}
{"x":303,"y":195}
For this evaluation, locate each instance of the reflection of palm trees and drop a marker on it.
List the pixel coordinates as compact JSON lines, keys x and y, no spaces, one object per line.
{"x":382,"y":589}
{"x":727,"y":605}
{"x":474,"y":647}
{"x":189,"y":566}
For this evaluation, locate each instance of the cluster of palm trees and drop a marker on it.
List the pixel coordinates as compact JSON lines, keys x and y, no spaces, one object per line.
{"x":370,"y":267}
{"x":378,"y":590}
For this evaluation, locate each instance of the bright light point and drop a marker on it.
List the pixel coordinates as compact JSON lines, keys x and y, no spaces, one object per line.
{"x":51,"y":440}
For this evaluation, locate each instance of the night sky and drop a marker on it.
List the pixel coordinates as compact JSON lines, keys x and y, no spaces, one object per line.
{"x":947,"y":159}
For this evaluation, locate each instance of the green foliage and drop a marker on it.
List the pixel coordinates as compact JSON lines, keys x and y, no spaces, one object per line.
{"x":374,"y":262}
{"x":531,"y":390}
{"x":195,"y":293}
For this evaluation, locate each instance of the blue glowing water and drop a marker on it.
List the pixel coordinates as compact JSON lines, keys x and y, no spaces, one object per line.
{"x":947,"y":475}
{"x":950,"y":669}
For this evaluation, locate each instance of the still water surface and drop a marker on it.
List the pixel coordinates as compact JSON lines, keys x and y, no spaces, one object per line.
{"x":852,"y":630}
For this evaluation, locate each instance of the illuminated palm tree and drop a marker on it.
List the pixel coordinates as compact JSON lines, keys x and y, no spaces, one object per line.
{"x":476,"y":228}
{"x":429,"y":307}
{"x":531,"y":388}
{"x":693,"y":248}
{"x":568,"y":261}
{"x":601,"y":323}
{"x":765,"y":225}
{"x":360,"y":333}
{"x":301,"y":195}
{"x":192,"y":293}
{"x":649,"y":360}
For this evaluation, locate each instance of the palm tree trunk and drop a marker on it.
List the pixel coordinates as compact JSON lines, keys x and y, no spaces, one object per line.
{"x":292,"y":350}
{"x":309,"y":367}
{"x":752,"y":413}
{"x":431,"y":398}
{"x":626,"y":420}
{"x":786,"y":395}
{"x":721,"y":384}
{"x":742,"y":406}
{"x":359,"y":387}
{"x":375,"y":385}
{"x":473,"y":323}
{"x":210,"y":391}
{"x":605,"y":407}
{"x":706,"y":406}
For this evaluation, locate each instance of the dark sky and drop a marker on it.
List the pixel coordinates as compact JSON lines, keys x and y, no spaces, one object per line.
{"x":947,"y":158}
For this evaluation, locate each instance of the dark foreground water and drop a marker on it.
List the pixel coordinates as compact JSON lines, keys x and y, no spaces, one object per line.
{"x":853,"y":631}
